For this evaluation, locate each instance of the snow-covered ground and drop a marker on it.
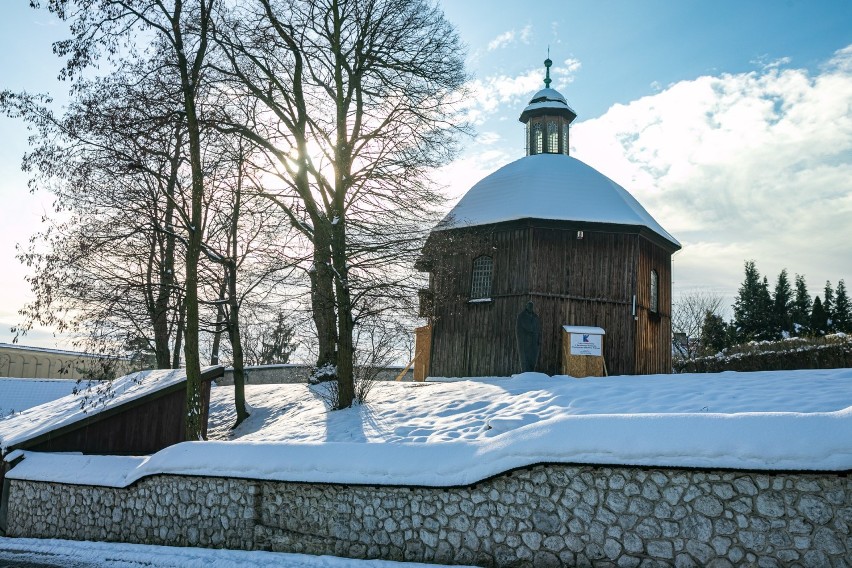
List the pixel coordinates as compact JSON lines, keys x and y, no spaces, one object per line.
{"x":482,"y":409}
{"x":460,"y":432}
{"x":66,"y":553}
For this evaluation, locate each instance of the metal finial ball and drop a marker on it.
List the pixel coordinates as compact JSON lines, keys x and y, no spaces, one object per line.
{"x":548,"y":62}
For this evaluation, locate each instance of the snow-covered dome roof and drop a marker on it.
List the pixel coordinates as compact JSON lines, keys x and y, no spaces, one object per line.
{"x":551,"y":187}
{"x":548,"y":98}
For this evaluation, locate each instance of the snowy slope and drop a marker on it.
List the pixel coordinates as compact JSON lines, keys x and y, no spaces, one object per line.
{"x":457,"y":433}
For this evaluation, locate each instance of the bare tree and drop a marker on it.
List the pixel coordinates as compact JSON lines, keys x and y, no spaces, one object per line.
{"x":112,"y":29}
{"x":244,"y":244}
{"x":358,"y":98}
{"x":689,"y":313}
{"x":112,"y":161}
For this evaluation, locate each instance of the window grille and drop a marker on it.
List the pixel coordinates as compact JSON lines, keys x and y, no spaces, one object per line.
{"x":552,"y":137}
{"x":538,"y":139}
{"x":565,"y":138}
{"x":480,"y":285}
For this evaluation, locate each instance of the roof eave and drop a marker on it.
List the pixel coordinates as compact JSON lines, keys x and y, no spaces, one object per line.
{"x":566,"y":112}
{"x":650,"y":234}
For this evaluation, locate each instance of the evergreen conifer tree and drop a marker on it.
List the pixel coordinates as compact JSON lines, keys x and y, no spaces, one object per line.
{"x":714,"y":334}
{"x":753,"y":307}
{"x":842,"y":309}
{"x":828,"y":306}
{"x":801,"y":309}
{"x":782,"y":301}
{"x":765,"y":318}
{"x":818,"y":318}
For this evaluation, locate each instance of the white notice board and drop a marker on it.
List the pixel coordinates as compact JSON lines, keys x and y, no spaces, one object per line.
{"x":586,"y":344}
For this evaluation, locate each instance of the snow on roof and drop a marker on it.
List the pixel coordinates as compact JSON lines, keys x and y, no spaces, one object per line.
{"x":458,"y":433}
{"x":584,"y":329}
{"x":552,"y":187}
{"x":548,"y":98}
{"x":550,"y":95}
{"x":547,"y":104}
{"x":92,"y":399}
{"x":17,"y":395}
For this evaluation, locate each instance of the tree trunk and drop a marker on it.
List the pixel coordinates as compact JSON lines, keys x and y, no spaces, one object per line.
{"x":194,"y":411}
{"x":192,"y":359}
{"x":167,"y":275}
{"x":221,"y":322}
{"x":234,"y":304}
{"x":322,"y":300}
{"x":237,"y":348}
{"x":179,"y":334}
{"x":346,"y":351}
{"x":343,"y":167}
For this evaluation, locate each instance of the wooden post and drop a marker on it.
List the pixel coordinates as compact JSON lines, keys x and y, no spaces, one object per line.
{"x":422,"y":352}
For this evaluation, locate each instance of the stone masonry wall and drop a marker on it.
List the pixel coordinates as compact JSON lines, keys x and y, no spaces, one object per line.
{"x":547,"y":515}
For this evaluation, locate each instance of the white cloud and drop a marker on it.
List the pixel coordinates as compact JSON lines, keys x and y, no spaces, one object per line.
{"x":507,"y":38}
{"x":488,"y":95}
{"x":488,"y":138}
{"x":841,"y":61}
{"x":501,"y":40}
{"x":745,"y":166}
{"x":564,"y":74}
{"x":505,"y":94}
{"x":763,"y":62}
{"x":463,"y":173}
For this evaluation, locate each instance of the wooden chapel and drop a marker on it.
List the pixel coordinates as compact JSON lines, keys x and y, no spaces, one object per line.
{"x":551,"y":230}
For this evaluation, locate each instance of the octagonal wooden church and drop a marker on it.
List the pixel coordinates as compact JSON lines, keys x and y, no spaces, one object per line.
{"x":550,"y":230}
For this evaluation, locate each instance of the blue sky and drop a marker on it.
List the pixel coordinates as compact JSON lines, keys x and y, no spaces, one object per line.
{"x":629,"y":47}
{"x":730,"y":121}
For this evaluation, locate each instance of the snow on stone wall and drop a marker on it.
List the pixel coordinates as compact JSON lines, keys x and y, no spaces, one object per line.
{"x":546,"y":515}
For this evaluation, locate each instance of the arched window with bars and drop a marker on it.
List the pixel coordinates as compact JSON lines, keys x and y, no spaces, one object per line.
{"x":552,"y":137}
{"x":538,"y":139}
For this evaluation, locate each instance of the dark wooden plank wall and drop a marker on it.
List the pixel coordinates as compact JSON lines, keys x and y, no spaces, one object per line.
{"x":586,"y":281}
{"x":571,"y":281}
{"x":143,"y":429}
{"x":473,"y":339}
{"x":653,"y":337}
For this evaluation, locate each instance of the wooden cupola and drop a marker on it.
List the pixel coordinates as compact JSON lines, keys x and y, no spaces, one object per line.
{"x":547,"y":118}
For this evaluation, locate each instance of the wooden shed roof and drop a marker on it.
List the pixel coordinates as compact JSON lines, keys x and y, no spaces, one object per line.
{"x":93,"y":403}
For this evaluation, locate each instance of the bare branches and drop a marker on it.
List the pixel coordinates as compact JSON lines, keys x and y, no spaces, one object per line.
{"x":689,"y":312}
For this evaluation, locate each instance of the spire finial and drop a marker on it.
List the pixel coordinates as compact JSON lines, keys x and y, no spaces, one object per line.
{"x":547,"y":64}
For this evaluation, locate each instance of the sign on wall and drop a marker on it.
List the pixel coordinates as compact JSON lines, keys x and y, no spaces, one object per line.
{"x":586,"y":344}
